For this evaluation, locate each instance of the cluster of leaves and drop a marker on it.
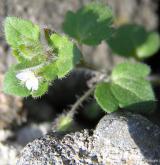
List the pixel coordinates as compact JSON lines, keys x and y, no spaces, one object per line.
{"x":127,"y":86}
{"x":47,"y":62}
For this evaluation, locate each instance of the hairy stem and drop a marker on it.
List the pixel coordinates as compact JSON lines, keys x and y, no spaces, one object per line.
{"x":81,"y":100}
{"x":86,"y":95}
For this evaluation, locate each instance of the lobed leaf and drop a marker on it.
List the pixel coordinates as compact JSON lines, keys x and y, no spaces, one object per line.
{"x":90,"y":24}
{"x":128,"y":89}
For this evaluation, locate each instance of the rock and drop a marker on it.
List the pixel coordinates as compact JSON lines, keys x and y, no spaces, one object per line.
{"x":141,"y":11}
{"x":29,"y":133}
{"x":126,"y":138}
{"x":5,"y":134}
{"x":12,"y":142}
{"x":119,"y":138}
{"x":9,"y":154}
{"x":11,"y":111}
{"x":56,"y":149}
{"x":52,"y":15}
{"x":138,"y":11}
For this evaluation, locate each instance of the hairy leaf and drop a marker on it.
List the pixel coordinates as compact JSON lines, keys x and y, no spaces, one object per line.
{"x":130,"y":70}
{"x":130,"y":87}
{"x":19,"y":31}
{"x":49,"y":72}
{"x":13,"y":86}
{"x":105,"y":98}
{"x":68,"y":54}
{"x":43,"y":88}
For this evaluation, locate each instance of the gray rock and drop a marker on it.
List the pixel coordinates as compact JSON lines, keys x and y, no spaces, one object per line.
{"x":119,"y":138}
{"x":31,"y":132}
{"x":9,"y":153}
{"x":55,"y":149}
{"x":123,"y":138}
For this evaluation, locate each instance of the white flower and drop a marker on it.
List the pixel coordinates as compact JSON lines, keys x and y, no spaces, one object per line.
{"x":29,"y":79}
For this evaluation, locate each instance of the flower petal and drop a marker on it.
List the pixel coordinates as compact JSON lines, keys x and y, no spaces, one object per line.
{"x":32,"y":84}
{"x":21,"y":76}
{"x":25,"y":75}
{"x":29,"y":84}
{"x":35,"y":84}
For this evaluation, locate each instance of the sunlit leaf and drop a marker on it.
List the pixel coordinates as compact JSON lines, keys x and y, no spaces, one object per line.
{"x":150,"y":46}
{"x":19,"y":31}
{"x":131,"y":88}
{"x":68,"y":54}
{"x":130,"y":70}
{"x":105,"y":98}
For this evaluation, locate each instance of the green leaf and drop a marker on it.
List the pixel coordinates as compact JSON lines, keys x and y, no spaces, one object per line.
{"x":127,"y":39}
{"x":68,"y":54}
{"x":12,"y":85}
{"x":49,"y":72}
{"x":31,"y":50}
{"x":90,"y":24}
{"x":150,"y":46}
{"x":43,"y":88}
{"x":105,"y":97}
{"x":136,"y":95}
{"x":130,"y":70}
{"x":17,"y":54}
{"x":128,"y":91}
{"x":130,"y":87}
{"x":19,"y":31}
{"x":35,"y":63}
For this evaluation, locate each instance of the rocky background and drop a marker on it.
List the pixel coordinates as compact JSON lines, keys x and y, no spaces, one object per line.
{"x":21,"y":121}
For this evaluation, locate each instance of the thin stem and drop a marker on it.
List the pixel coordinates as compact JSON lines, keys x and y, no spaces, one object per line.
{"x":86,"y":95}
{"x":81,"y":100}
